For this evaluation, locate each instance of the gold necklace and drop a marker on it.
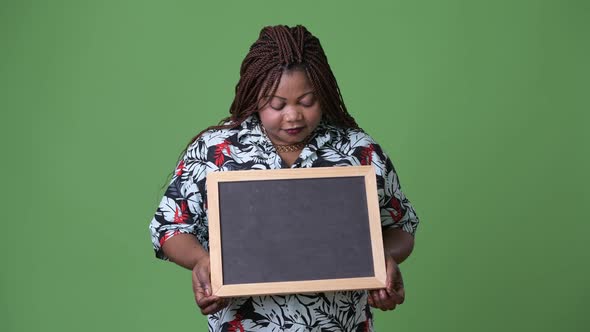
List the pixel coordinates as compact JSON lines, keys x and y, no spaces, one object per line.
{"x":290,"y":147}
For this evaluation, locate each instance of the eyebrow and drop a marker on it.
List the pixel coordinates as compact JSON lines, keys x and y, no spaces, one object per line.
{"x":283,"y":98}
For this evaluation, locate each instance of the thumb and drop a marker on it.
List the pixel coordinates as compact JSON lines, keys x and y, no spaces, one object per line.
{"x":391,"y":271}
{"x":202,"y":283}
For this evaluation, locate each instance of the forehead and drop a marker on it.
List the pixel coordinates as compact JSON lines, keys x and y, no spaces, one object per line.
{"x":293,"y":82}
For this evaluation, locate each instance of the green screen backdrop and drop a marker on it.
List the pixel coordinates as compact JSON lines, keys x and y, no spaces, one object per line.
{"x":482,"y":105}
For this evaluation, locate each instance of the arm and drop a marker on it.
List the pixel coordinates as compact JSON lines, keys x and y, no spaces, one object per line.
{"x":399,"y":222}
{"x":186,"y":251}
{"x":398,"y":244}
{"x":179,"y":233}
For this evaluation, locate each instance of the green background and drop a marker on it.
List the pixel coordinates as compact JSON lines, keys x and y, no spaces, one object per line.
{"x":482,"y":105}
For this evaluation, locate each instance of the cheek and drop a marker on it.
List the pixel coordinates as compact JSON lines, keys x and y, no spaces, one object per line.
{"x":268,"y":119}
{"x":315,"y":116}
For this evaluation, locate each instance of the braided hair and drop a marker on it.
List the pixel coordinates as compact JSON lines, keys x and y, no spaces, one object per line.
{"x":277,"y":49}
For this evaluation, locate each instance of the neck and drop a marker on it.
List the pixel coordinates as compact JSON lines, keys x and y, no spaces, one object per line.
{"x":292,"y":147}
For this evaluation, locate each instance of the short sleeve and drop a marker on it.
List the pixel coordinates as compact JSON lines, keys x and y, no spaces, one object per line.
{"x":182,"y":208}
{"x":395,"y":208}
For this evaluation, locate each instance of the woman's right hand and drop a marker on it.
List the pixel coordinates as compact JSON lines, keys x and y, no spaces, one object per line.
{"x":208,"y":303}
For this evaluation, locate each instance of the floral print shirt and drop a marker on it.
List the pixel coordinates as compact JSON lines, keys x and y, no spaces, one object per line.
{"x":183,"y":210}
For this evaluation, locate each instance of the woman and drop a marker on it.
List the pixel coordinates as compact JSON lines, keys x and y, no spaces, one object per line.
{"x":287,"y":112}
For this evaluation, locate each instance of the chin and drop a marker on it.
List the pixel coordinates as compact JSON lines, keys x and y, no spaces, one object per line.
{"x":295,"y":139}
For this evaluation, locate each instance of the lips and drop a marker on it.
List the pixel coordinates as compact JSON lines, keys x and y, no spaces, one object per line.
{"x":293,"y":131}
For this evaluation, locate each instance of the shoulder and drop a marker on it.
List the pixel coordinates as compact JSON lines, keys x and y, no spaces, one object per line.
{"x":214,"y":137}
{"x":354,"y":136}
{"x":357,"y":143}
{"x":229,"y":140}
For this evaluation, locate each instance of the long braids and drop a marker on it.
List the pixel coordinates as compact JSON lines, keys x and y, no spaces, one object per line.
{"x":280,"y":48}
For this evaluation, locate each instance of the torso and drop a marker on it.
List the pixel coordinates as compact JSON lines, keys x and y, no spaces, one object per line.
{"x":289,"y":158}
{"x":247,"y":148}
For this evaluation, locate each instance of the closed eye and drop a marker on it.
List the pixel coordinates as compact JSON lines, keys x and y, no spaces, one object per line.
{"x":277,"y":104}
{"x":307,"y":101}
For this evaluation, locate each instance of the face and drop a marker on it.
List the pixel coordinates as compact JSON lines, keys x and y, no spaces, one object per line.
{"x":293,"y":113}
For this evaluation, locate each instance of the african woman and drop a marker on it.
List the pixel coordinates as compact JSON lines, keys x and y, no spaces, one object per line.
{"x":287,"y":113}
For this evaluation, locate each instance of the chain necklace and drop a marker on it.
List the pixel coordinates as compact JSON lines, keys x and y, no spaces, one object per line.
{"x":291,"y":147}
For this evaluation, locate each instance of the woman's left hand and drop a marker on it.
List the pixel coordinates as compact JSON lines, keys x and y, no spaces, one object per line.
{"x":393,"y":294}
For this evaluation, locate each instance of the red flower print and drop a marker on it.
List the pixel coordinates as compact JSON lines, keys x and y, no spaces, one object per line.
{"x":219,"y":149}
{"x":235,"y":325}
{"x":167,"y":236}
{"x":180,"y":216}
{"x":180,"y":168}
{"x":396,"y":205}
{"x":366,"y":156}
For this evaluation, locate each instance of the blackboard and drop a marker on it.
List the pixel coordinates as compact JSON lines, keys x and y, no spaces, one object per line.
{"x":294,"y":231}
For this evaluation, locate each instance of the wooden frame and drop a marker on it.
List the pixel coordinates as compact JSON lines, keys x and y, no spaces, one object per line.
{"x":367,"y":175}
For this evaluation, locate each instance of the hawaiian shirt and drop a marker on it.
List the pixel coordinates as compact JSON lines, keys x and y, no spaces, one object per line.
{"x":183,"y":210}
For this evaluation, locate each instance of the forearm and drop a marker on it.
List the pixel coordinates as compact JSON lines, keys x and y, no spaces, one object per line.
{"x":398,"y":243}
{"x":184,"y":250}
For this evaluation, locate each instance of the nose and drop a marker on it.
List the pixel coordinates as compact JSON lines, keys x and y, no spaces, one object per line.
{"x":293,"y":113}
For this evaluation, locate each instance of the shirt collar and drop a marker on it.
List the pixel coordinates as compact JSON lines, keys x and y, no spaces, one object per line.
{"x":251,"y":133}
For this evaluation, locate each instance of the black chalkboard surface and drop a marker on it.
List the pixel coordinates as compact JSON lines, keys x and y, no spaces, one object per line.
{"x":294,"y":231}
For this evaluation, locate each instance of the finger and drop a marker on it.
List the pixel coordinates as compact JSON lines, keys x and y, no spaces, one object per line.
{"x":204,"y":280}
{"x":390,"y":306}
{"x":379,"y":299}
{"x":372,"y":296}
{"x":392,"y":272}
{"x":214,"y":307}
{"x":205,"y":301}
{"x":201,"y":294}
{"x":398,"y":282}
{"x":211,"y":309}
{"x":383,"y":299}
{"x":370,"y":300}
{"x":387,"y":302}
{"x":201,"y":284}
{"x":398,"y":291}
{"x":375,"y":298}
{"x":395,"y":296}
{"x":401,"y":293}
